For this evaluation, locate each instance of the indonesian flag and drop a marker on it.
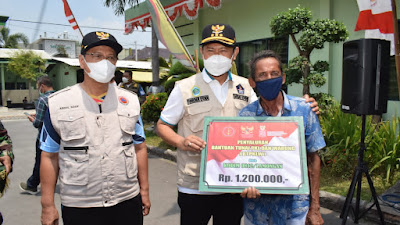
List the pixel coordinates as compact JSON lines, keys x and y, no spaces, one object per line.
{"x":70,"y":17}
{"x":376,"y":19}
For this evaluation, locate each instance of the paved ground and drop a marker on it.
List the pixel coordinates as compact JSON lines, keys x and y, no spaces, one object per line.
{"x":23,"y":209}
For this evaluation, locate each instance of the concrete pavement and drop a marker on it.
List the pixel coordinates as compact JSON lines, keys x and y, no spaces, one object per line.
{"x":20,"y":209}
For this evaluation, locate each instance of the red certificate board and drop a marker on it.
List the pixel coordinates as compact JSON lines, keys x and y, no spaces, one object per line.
{"x":264,"y":152}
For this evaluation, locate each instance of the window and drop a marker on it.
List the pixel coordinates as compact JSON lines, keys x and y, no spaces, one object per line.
{"x":21,"y":85}
{"x":10,"y":86}
{"x":250,"y":48}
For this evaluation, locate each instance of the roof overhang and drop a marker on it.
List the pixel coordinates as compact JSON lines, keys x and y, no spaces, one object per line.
{"x":7,"y":53}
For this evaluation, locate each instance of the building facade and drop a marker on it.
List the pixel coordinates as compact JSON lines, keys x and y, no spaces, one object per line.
{"x":251,"y":19}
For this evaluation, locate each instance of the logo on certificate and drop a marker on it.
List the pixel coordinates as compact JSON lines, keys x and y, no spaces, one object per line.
{"x":228,"y":131}
{"x":262,"y":132}
{"x":247,"y":131}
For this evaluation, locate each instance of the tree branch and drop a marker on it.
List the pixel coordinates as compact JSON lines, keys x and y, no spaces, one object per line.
{"x":296,"y":44}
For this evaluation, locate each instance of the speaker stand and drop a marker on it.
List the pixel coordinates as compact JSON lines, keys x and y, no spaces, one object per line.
{"x":359,"y":170}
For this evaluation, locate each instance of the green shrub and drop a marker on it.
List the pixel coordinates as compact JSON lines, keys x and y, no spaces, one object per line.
{"x":342,"y":134}
{"x":384,"y":149}
{"x":152,"y":107}
{"x":178,"y":68}
{"x":326,"y":102}
{"x":162,"y":62}
{"x":169,"y":84}
{"x":342,"y":137}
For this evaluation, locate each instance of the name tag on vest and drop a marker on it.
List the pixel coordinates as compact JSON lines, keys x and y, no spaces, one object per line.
{"x":241,"y":97}
{"x":198,"y":99}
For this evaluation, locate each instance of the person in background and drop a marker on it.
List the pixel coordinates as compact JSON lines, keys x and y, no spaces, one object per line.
{"x":267,"y":77}
{"x":93,"y":141}
{"x":131,"y":85}
{"x":155,"y":88}
{"x":45,"y":87}
{"x":6,"y":161}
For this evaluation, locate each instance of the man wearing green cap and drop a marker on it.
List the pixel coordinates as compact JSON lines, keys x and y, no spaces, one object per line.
{"x":213,"y":92}
{"x":93,"y":141}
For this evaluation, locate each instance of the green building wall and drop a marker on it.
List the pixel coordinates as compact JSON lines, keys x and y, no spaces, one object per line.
{"x":251,"y":18}
{"x":63,"y":75}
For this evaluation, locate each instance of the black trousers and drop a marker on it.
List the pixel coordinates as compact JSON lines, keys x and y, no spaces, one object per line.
{"x":34,"y":180}
{"x":128,"y":212}
{"x":226,"y":209}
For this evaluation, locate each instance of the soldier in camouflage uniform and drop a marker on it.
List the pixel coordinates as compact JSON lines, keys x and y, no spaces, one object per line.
{"x":6,"y":160}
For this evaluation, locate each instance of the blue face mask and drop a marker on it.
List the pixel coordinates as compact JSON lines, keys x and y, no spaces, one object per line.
{"x":269,"y":89}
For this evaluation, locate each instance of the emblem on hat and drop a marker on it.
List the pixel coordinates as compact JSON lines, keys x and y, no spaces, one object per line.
{"x":217,"y":30}
{"x":103,"y":35}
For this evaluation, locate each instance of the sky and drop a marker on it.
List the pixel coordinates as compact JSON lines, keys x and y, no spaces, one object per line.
{"x":90,"y":13}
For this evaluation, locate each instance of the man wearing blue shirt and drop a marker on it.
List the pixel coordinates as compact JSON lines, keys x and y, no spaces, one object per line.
{"x":45,"y":87}
{"x":267,"y":77}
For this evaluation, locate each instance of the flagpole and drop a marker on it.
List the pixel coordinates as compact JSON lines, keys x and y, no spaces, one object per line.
{"x":396,"y":44}
{"x":74,"y":18}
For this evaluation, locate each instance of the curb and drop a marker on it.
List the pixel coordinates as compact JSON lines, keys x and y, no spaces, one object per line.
{"x":328,"y":200}
{"x":12,"y":117}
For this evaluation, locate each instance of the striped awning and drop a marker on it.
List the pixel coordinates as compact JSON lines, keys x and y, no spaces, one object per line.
{"x":189,"y":8}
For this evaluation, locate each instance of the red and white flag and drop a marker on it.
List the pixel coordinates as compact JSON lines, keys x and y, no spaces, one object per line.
{"x":70,"y":16}
{"x":376,"y":19}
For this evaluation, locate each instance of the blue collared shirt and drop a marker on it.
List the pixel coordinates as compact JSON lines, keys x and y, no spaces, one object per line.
{"x":283,"y":209}
{"x":294,"y":106}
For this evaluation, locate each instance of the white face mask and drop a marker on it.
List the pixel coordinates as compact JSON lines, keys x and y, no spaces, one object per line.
{"x":125,"y":80}
{"x":102,"y":71}
{"x":217,"y":65}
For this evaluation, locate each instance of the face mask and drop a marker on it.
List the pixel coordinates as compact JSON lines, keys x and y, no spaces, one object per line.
{"x":102,"y":71}
{"x":269,"y":89}
{"x":40,"y":90}
{"x":217,"y":65}
{"x":125,"y":80}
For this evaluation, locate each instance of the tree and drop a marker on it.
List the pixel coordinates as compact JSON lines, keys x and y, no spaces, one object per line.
{"x":61,"y":52}
{"x":27,"y":65}
{"x":314,"y":34}
{"x":119,"y":5}
{"x":11,"y":41}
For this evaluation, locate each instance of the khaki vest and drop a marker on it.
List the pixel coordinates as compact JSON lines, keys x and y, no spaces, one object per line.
{"x":134,"y":87}
{"x":199,"y":101}
{"x":97,"y":159}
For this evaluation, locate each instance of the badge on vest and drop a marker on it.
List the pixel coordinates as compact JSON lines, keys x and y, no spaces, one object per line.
{"x":241,"y":97}
{"x":123,"y":100}
{"x":195,"y":91}
{"x":202,"y":98}
{"x":240,"y":89}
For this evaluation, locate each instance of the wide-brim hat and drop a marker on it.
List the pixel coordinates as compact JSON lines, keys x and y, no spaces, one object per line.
{"x":98,"y":38}
{"x":220,"y":33}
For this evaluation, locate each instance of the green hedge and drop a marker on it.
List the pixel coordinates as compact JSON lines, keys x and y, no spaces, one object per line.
{"x":342,"y":134}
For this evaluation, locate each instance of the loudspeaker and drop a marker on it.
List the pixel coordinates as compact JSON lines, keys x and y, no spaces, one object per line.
{"x":365,"y":77}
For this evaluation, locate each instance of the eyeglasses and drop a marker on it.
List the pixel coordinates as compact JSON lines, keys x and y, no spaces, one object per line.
{"x":97,"y":57}
{"x":273,"y":74}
